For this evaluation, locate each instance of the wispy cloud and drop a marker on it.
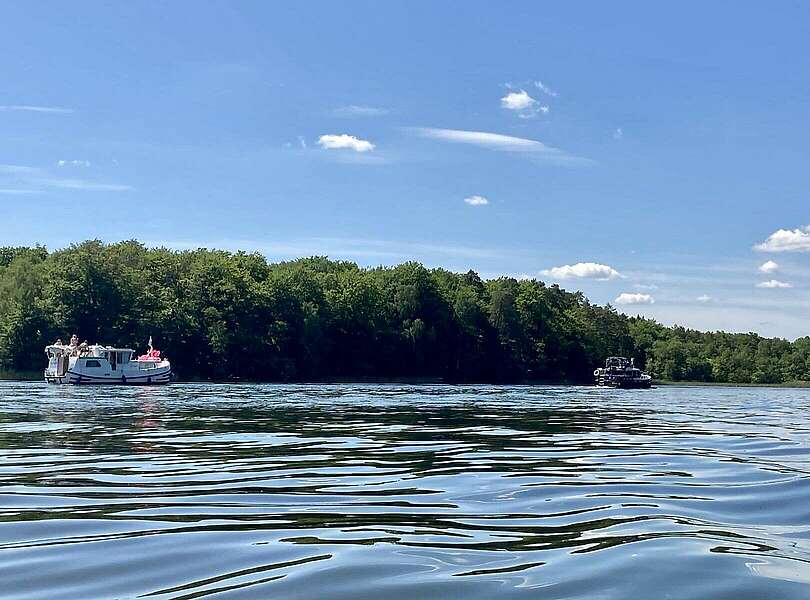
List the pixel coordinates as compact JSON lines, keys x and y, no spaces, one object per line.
{"x":545,"y":89}
{"x":39,"y":180}
{"x":787,"y":240}
{"x":354,"y":110}
{"x":19,"y":191}
{"x":626,"y":298}
{"x":83,"y":184}
{"x":73,"y":163}
{"x":38,"y":109}
{"x":19,"y":170}
{"x":485,"y":139}
{"x":704,"y":298}
{"x":618,"y":133}
{"x":476,"y":201}
{"x":583,"y":270}
{"x":774,"y":284}
{"x":351,"y":248}
{"x":344,"y":141}
{"x":497,"y":141}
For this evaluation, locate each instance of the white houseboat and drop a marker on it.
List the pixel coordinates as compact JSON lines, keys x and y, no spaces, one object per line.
{"x":97,"y":364}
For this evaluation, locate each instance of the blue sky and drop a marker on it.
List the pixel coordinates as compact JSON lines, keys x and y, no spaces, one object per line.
{"x":653,"y":156}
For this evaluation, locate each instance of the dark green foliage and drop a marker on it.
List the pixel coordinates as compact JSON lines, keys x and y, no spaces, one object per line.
{"x":221,"y":315}
{"x":684,"y":354}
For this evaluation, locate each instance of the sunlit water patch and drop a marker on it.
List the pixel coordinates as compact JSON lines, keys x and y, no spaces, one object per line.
{"x":350,"y":491}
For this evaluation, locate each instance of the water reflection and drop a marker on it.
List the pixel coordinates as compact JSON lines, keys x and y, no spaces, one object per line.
{"x":427,"y":491}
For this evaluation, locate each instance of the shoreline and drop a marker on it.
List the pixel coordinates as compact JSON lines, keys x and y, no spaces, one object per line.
{"x":28,"y":376}
{"x":786,"y":384}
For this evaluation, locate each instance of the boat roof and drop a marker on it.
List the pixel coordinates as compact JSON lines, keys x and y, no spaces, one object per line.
{"x":113,"y":348}
{"x":93,"y":346}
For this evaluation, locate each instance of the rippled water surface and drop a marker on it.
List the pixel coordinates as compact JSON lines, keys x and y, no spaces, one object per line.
{"x":352,"y":491}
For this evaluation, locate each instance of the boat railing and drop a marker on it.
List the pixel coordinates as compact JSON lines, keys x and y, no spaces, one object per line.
{"x":147,"y":365}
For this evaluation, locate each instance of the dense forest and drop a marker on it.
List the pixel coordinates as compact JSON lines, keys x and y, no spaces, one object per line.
{"x":219,"y":315}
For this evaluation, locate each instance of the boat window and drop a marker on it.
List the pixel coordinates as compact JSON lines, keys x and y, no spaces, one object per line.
{"x":92,"y":363}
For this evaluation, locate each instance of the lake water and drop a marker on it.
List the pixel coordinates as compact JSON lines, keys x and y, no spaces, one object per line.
{"x":394,"y":491}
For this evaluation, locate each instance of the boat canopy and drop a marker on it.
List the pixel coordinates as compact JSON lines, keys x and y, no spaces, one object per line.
{"x":100,"y":348}
{"x":94,"y":350}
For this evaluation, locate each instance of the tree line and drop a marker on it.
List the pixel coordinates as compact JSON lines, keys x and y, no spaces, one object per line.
{"x":222,"y":315}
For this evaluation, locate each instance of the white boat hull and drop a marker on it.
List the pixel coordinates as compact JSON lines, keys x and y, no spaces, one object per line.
{"x":155,"y":376}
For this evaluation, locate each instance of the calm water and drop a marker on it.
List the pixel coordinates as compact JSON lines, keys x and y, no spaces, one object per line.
{"x":349,"y":491}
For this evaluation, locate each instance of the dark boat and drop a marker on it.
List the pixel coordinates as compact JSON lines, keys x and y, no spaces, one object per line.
{"x":620,"y":372}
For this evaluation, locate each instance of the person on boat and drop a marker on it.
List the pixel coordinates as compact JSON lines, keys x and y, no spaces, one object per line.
{"x":74,"y":345}
{"x":58,"y":342}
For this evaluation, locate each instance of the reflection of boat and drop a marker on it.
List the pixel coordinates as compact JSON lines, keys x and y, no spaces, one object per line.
{"x":104,"y":364}
{"x":620,"y":372}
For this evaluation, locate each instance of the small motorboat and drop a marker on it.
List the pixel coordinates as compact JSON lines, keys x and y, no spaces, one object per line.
{"x":76,"y":364}
{"x":620,"y":372}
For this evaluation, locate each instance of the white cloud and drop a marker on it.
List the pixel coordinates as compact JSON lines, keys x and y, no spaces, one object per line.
{"x":354,"y":110}
{"x":39,"y":109}
{"x":73,"y":163}
{"x":302,"y":142}
{"x":618,"y":133}
{"x":545,"y":89}
{"x":518,"y":101}
{"x":497,"y":141}
{"x":787,"y":240}
{"x":476,"y":201}
{"x":625,"y":298}
{"x":768,"y":267}
{"x":774,"y":284}
{"x":704,"y":298}
{"x":522,"y":103}
{"x":645,"y":286}
{"x":337,"y":142}
{"x":586,"y":270}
